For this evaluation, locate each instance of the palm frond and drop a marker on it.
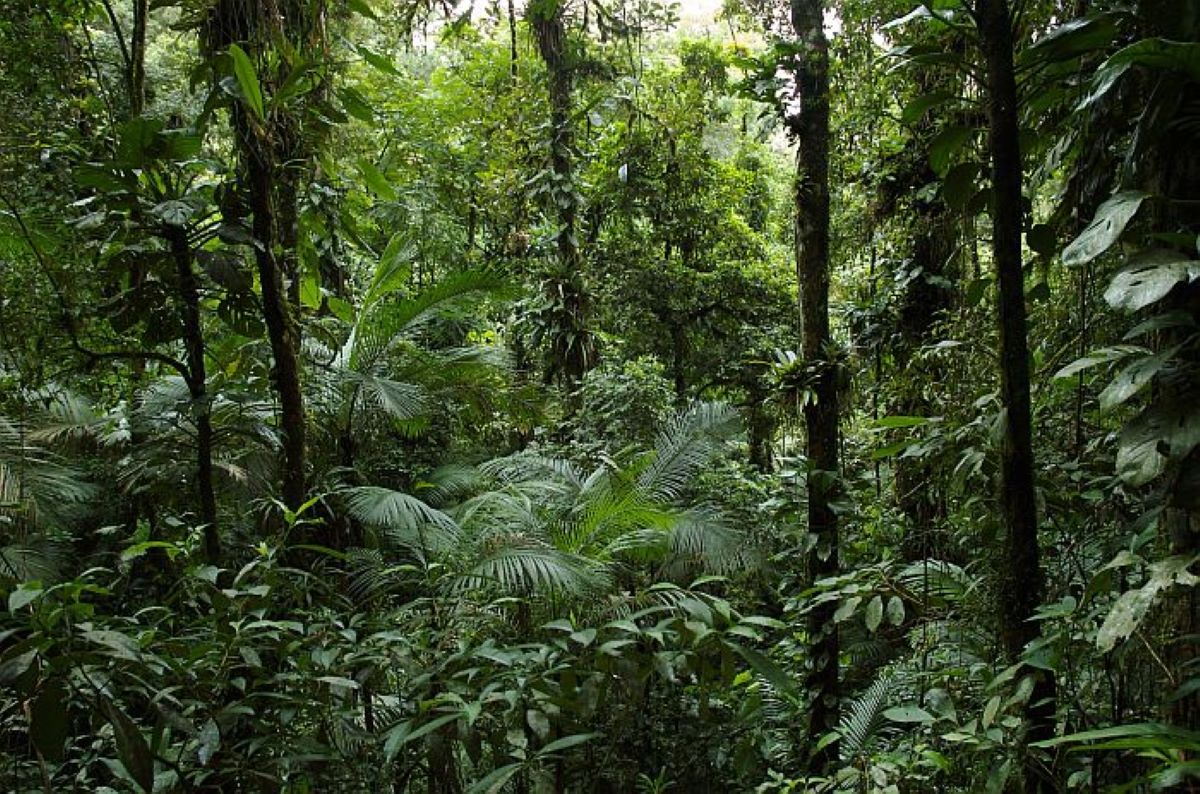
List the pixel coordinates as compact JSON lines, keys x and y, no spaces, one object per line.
{"x":405,"y":520}
{"x":700,"y":540}
{"x":382,"y":324}
{"x":450,"y":483}
{"x":70,"y":417}
{"x":690,"y":440}
{"x":861,"y":723}
{"x":527,"y":469}
{"x":936,"y":580}
{"x":401,"y":401}
{"x":37,"y":491}
{"x":496,"y":512}
{"x":525,"y":567}
{"x":371,"y":576}
{"x":36,"y":559}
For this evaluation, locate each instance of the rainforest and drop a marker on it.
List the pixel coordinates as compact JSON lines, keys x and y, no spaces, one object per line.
{"x":599,"y":396}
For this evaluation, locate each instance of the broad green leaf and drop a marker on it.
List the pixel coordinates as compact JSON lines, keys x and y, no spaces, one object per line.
{"x":339,"y":681}
{"x":946,"y":144}
{"x":779,"y":680}
{"x":142,"y":549}
{"x":495,"y":781}
{"x":299,"y":81}
{"x":766,"y":622}
{"x":15,"y":667}
{"x":908,"y":714}
{"x":310,"y":290}
{"x":895,"y":610}
{"x":1103,"y":356}
{"x":1072,"y":39}
{"x":380,"y":62}
{"x":48,"y":720}
{"x":920,"y":12}
{"x":538,"y":722}
{"x":356,"y":104}
{"x":959,"y":186}
{"x":1105,"y":229}
{"x":567,"y":742}
{"x":1169,"y":736}
{"x":1124,"y":617}
{"x":247,"y":80}
{"x":1131,"y":608}
{"x":989,"y":711}
{"x":24,"y":595}
{"x":210,"y":741}
{"x":1161,"y":322}
{"x":1148,"y":277}
{"x":846,"y":608}
{"x":1134,"y":378}
{"x":404,"y":733}
{"x":131,"y":746}
{"x":1157,"y":436}
{"x":916,"y":109}
{"x":362,"y":8}
{"x":874,"y":614}
{"x":584,"y":637}
{"x":376,"y":181}
{"x":1160,"y":54}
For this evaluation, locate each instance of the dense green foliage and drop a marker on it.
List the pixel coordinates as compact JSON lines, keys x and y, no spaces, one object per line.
{"x":401,"y":395}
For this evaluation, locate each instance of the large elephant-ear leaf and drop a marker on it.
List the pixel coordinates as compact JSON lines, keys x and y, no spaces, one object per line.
{"x":1105,"y":229}
{"x":1148,"y":277}
{"x":1162,"y":434}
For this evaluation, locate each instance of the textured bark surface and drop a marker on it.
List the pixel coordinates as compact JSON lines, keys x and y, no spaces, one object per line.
{"x":1021,"y":584}
{"x":810,"y":127}
{"x":573,"y":348}
{"x":282,"y":332}
{"x":197,"y":383}
{"x":231,"y":22}
{"x":137,"y":59}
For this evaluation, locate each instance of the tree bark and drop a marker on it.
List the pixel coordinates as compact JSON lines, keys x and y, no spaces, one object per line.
{"x":137,"y":59}
{"x":197,"y":383}
{"x":573,"y":348}
{"x":232,"y":21}
{"x":1020,"y":579}
{"x":810,"y":127}
{"x":512,"y":40}
{"x":282,"y":329}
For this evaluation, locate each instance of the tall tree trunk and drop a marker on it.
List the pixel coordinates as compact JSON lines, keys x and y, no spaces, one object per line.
{"x":512,"y":40}
{"x":810,"y":127}
{"x":197,"y":383}
{"x":232,"y":21}
{"x":282,"y":329}
{"x":137,"y":59}
{"x":573,"y":348}
{"x":1021,"y":583}
{"x":919,"y":492}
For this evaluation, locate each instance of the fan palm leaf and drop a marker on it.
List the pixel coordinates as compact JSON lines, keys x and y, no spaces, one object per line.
{"x":404,"y":520}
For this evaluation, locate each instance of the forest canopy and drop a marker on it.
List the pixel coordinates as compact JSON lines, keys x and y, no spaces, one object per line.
{"x":599,"y":396}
